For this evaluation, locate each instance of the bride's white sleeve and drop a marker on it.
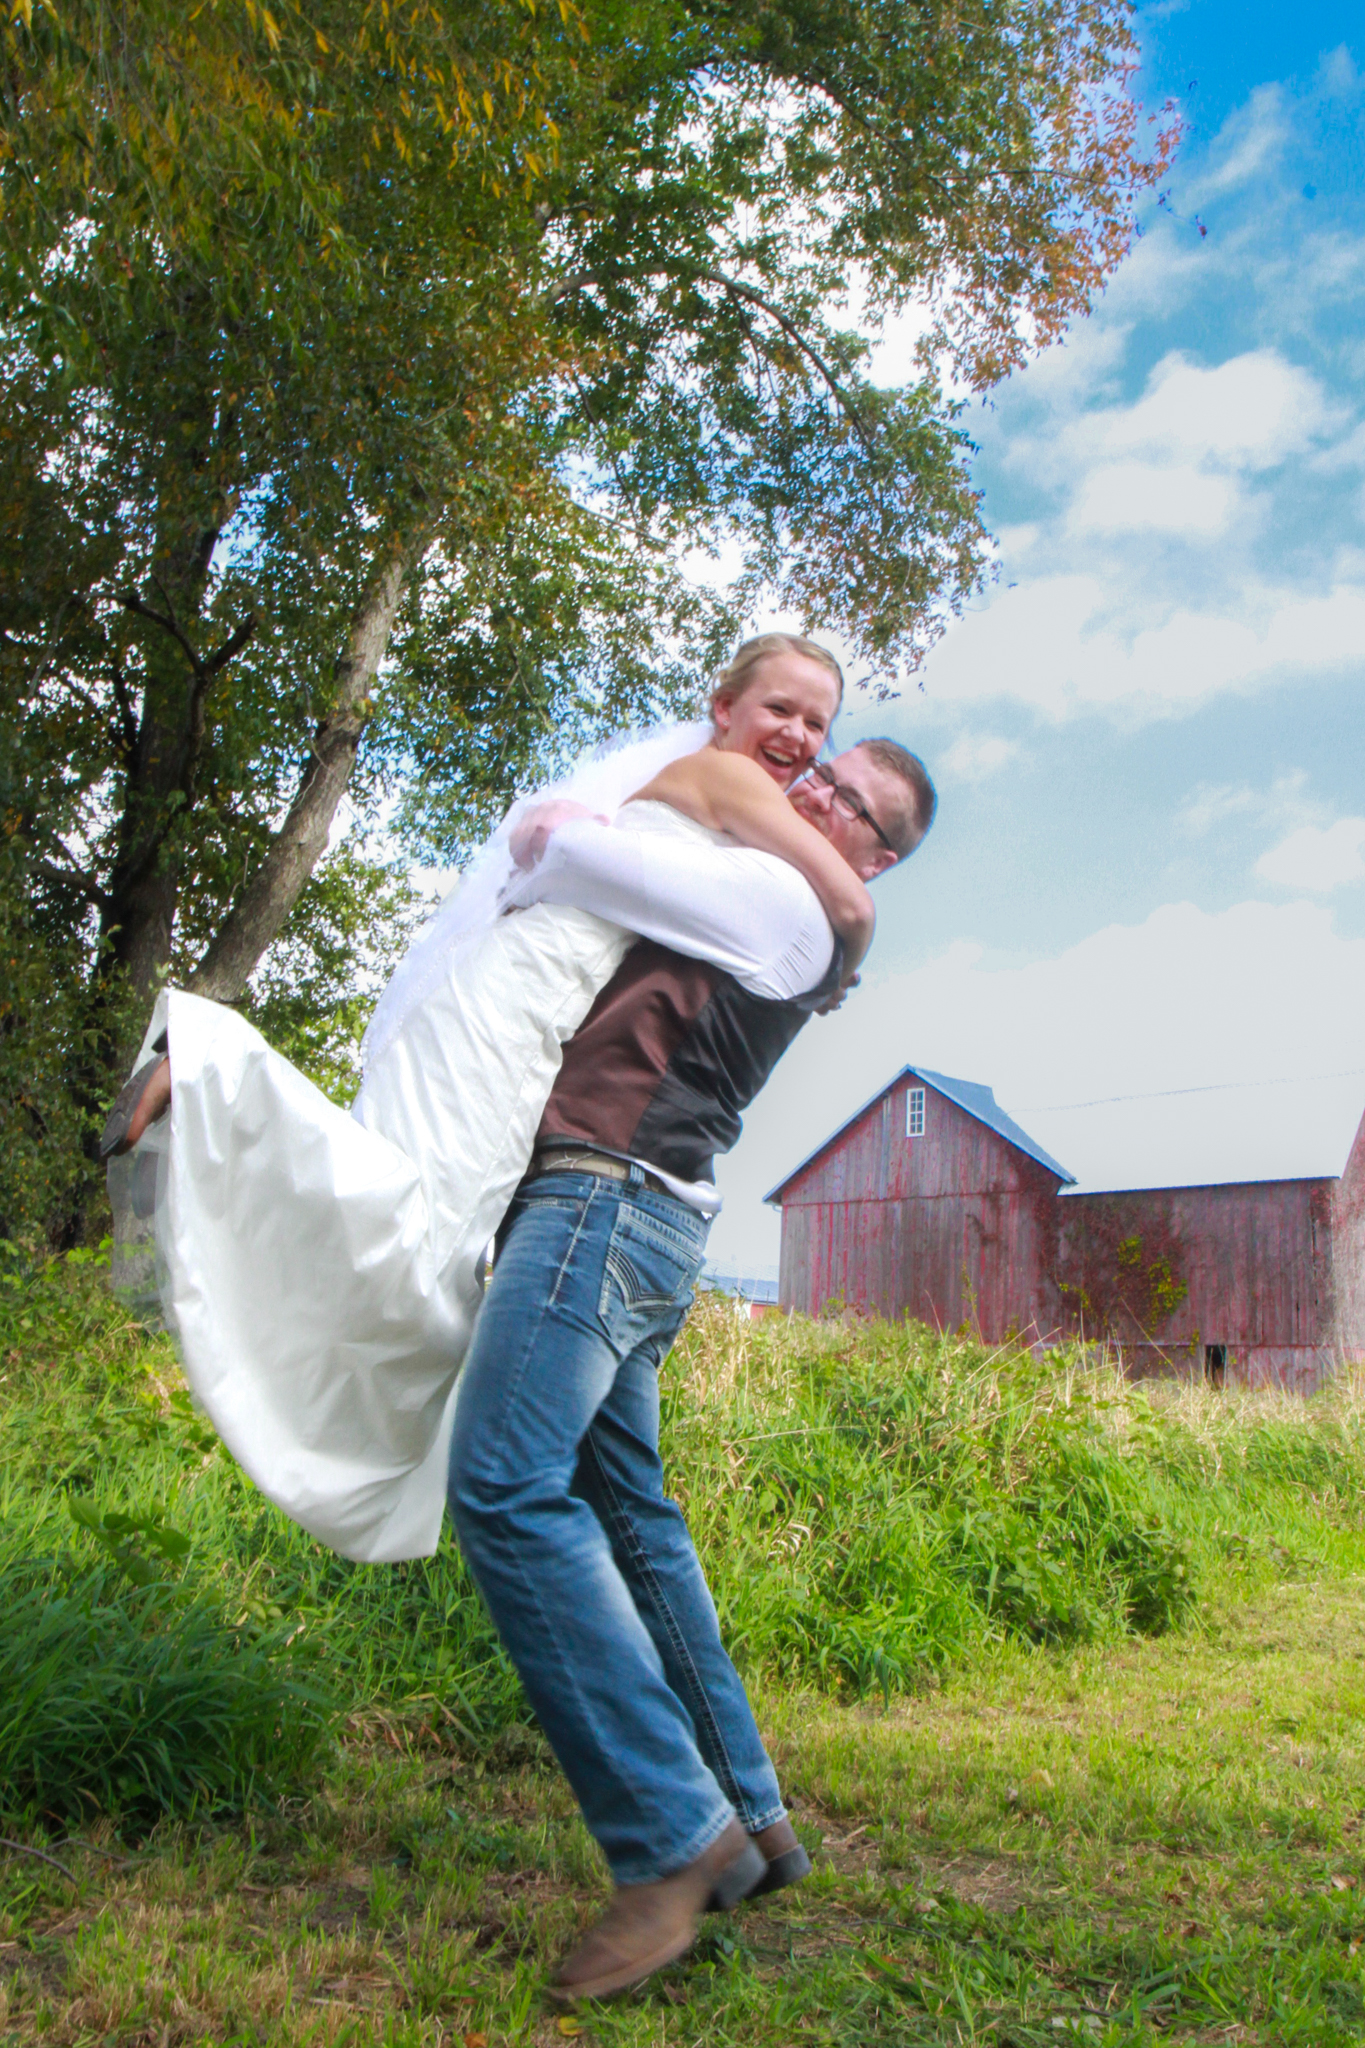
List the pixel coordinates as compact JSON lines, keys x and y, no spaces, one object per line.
{"x":747,"y":912}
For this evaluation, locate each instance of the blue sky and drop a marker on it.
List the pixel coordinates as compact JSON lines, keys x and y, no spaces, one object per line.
{"x":1148,"y":876}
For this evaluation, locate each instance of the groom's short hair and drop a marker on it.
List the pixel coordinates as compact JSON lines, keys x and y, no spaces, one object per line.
{"x":921,"y":798}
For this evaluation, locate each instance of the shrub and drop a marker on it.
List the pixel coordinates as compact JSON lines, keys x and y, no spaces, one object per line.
{"x":142,"y":1700}
{"x":874,"y":1500}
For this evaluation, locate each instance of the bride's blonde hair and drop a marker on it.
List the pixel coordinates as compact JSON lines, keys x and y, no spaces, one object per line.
{"x":735,"y":677}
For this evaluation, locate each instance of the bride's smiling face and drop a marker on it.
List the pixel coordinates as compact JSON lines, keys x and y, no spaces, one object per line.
{"x":781,"y":717}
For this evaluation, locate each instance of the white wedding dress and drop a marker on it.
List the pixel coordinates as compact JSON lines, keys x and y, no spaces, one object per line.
{"x":320,"y":1267}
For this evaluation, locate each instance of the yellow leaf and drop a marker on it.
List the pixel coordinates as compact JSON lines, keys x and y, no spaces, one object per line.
{"x":323,"y":43}
{"x":271,"y":27}
{"x":570,"y":2026}
{"x":488,"y":104}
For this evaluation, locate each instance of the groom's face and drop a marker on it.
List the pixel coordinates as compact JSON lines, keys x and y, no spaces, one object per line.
{"x":881,"y":791}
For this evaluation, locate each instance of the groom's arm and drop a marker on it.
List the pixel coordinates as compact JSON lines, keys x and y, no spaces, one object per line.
{"x":749,"y":913}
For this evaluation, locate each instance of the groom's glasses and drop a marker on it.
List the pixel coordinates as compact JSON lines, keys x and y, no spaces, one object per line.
{"x":848,"y":801}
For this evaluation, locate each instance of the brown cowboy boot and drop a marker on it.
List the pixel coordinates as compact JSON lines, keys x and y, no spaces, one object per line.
{"x":649,"y":1925}
{"x":787,"y":1863}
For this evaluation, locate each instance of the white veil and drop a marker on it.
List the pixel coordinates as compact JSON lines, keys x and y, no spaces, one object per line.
{"x":602,"y":780}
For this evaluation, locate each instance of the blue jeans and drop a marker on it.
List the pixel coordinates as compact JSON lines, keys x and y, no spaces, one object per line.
{"x":556,"y":1489}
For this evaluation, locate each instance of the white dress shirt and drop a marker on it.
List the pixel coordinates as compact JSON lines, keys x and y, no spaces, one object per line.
{"x":662,"y":875}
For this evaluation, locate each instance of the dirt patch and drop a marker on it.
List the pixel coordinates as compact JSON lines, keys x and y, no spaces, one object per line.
{"x":998,"y":1884}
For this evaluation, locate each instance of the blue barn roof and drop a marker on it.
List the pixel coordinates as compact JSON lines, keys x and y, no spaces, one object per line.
{"x":978,"y":1101}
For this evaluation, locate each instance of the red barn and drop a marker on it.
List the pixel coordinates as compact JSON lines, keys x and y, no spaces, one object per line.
{"x":931,"y":1202}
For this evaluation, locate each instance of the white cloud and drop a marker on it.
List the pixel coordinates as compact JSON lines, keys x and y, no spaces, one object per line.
{"x":895,"y":351}
{"x":1091,"y":356}
{"x":1187,"y":1000}
{"x":1062,"y":645}
{"x":1175,"y":461}
{"x":1324,"y":267}
{"x":1246,"y":145}
{"x":1337,"y":74}
{"x":1211,"y":804}
{"x":1345,"y":453}
{"x":1136,"y":497}
{"x":1249,"y":412}
{"x":1015,"y":541}
{"x":1316,"y":858}
{"x":1240,"y":417}
{"x":974,"y":757}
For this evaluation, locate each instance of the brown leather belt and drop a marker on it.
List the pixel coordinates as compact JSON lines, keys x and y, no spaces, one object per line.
{"x":562,"y":1159}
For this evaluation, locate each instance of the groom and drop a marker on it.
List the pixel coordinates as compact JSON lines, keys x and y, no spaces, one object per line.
{"x":556,"y":1486}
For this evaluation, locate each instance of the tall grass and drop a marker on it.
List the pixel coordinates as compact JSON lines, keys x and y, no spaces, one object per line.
{"x":141,"y":1701}
{"x":876,"y":1500}
{"x":872,"y":1503}
{"x":153,"y":1594}
{"x":884,"y":1499}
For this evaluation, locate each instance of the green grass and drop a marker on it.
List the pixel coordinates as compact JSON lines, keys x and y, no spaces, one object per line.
{"x":1064,"y":1683}
{"x":140,"y":1701}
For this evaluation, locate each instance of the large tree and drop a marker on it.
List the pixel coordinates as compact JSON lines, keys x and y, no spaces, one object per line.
{"x":375,"y":375}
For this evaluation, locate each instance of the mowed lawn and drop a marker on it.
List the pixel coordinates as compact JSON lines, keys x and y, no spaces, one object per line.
{"x":1126,"y":1838}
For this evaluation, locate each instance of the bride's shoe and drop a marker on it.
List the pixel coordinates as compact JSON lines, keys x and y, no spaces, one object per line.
{"x":118,"y":1135}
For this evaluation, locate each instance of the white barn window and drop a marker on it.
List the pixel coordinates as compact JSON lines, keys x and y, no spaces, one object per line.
{"x":914,"y":1113}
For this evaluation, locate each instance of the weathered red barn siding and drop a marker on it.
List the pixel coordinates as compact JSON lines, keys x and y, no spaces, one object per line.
{"x":1348,"y":1253}
{"x":1257,"y":1261}
{"x":955,"y":1226}
{"x":962,"y":1225}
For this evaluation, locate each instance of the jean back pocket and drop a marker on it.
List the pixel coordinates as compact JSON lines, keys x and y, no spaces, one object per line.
{"x":648,"y":1277}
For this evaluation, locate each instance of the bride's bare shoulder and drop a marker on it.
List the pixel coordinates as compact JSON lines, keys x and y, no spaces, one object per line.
{"x":696,"y":782}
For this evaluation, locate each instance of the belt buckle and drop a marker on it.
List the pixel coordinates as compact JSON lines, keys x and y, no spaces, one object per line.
{"x":566,"y":1159}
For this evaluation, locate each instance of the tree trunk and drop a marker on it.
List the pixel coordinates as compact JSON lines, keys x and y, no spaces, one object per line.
{"x":163,"y":744}
{"x":163,"y":759}
{"x":260,"y":911}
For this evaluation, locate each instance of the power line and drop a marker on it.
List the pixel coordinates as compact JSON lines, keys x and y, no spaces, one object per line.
{"x":1211,"y":1088}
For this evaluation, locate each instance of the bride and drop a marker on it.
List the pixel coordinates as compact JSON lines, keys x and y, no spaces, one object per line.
{"x":321,"y":1268}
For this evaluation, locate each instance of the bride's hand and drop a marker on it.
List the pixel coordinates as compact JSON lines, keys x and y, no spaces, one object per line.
{"x":531,"y":833}
{"x":845,"y":988}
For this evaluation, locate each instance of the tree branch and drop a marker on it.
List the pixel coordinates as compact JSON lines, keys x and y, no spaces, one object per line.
{"x":131,"y":602}
{"x":168,"y":622}
{"x":70,"y":684}
{"x":204,"y":671}
{"x":739,"y":290}
{"x":75,"y":878}
{"x":267,"y":899}
{"x":124,"y":702}
{"x":234,"y":644}
{"x":571,"y":285}
{"x":23,"y":1849}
